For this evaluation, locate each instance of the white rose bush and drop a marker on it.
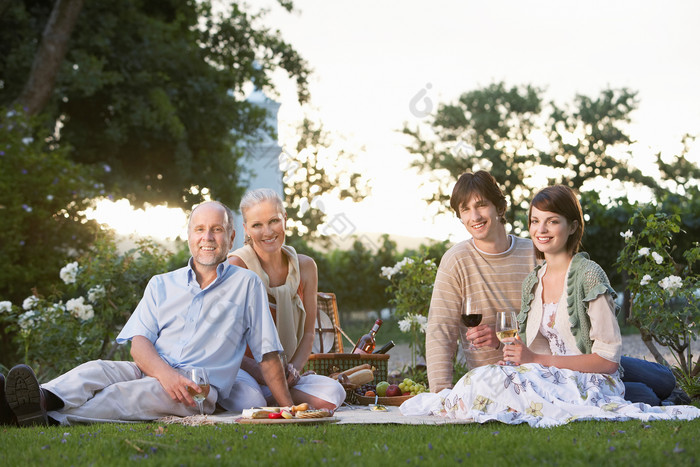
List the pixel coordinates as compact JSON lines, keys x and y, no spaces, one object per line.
{"x":665,"y":295}
{"x":411,"y":288}
{"x":79,"y":318}
{"x":415,"y":324}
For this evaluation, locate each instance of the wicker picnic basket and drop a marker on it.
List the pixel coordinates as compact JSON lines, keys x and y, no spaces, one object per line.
{"x":328,"y":363}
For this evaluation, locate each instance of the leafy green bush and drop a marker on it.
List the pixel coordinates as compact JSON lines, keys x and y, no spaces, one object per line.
{"x":664,"y":293}
{"x":411,"y":286}
{"x":42,"y":199}
{"x":43,"y":196}
{"x":81,"y":317}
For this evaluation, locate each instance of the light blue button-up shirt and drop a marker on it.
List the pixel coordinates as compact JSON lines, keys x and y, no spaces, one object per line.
{"x":205,"y":328}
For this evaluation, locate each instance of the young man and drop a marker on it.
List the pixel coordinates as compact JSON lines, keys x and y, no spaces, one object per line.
{"x":202,"y":315}
{"x":489,"y":268}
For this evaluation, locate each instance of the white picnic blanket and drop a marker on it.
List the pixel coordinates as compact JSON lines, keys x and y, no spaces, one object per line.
{"x":347,"y":414}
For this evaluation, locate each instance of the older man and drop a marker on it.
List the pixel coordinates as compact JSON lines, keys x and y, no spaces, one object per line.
{"x":202,"y":315}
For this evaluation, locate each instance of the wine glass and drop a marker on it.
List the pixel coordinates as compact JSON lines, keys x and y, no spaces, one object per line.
{"x":506,"y":326}
{"x":199,"y":376}
{"x":471,"y":317}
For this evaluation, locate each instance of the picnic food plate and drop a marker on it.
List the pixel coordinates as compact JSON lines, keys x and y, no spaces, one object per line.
{"x":395,"y":400}
{"x":277,"y":421}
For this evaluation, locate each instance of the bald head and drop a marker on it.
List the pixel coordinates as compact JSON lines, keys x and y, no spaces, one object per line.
{"x":227,"y":213}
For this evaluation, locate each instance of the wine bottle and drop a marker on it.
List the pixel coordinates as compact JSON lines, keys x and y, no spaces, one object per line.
{"x":366,"y":343}
{"x":385,"y":348}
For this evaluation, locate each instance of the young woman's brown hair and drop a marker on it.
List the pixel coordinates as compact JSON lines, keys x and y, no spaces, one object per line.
{"x":561,"y":200}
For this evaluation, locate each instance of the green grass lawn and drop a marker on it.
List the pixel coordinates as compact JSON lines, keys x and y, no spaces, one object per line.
{"x":674,"y":443}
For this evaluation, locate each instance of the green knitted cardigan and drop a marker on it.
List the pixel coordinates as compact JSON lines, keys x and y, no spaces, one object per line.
{"x":585,"y":282}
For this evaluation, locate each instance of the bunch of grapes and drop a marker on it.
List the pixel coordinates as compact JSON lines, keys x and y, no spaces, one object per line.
{"x":408,"y":385}
{"x":360,"y":391}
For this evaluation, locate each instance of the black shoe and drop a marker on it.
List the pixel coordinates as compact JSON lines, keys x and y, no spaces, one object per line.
{"x":7,"y":416}
{"x":677,"y":397}
{"x":25,"y":397}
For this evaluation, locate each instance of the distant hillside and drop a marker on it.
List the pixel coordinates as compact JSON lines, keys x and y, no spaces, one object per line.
{"x":373,"y":239}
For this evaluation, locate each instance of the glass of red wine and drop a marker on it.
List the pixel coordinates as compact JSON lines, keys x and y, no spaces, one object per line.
{"x":471,"y":317}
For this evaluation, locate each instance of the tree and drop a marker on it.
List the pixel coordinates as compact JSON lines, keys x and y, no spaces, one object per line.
{"x":581,"y":139}
{"x":51,"y":51}
{"x":489,"y":128}
{"x":316,"y":169}
{"x":153,"y":93}
{"x":43,"y":196}
{"x":501,"y":129}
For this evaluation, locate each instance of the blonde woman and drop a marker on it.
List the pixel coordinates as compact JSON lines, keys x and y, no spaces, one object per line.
{"x":291,"y":281}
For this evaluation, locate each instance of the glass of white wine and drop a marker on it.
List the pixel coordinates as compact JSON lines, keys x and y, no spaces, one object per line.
{"x":506,"y":326}
{"x":199,"y":376}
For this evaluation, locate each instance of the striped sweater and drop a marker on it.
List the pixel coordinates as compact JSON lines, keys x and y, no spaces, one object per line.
{"x":493,"y":281}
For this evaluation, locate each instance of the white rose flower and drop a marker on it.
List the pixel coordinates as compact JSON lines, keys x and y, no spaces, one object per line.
{"x":405,"y":324}
{"x":388,"y":272}
{"x":671,"y":283}
{"x":78,"y":308}
{"x":657,"y":257}
{"x":87,"y":313}
{"x":422,"y":322}
{"x":69,"y":272}
{"x":28,"y":140}
{"x":626,"y":235}
{"x":26,"y":320}
{"x":643,"y":251}
{"x":30,"y":302}
{"x":5,"y":307}
{"x":96,"y":293}
{"x":645,"y":280}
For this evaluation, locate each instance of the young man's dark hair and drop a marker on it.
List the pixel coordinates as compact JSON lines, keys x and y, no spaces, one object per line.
{"x":483,"y":184}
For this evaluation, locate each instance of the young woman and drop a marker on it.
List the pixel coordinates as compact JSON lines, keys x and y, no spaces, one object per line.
{"x":564,"y":363}
{"x":291,"y":281}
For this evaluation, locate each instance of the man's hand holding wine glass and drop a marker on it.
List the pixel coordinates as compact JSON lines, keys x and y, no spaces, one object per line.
{"x":176,"y":384}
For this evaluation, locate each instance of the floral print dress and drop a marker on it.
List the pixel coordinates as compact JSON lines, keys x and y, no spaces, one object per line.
{"x":538,"y":395}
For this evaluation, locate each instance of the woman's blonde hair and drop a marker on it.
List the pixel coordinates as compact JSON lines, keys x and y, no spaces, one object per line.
{"x":257,"y":196}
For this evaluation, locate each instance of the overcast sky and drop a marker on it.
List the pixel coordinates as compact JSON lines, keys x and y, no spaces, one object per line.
{"x":380,"y":64}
